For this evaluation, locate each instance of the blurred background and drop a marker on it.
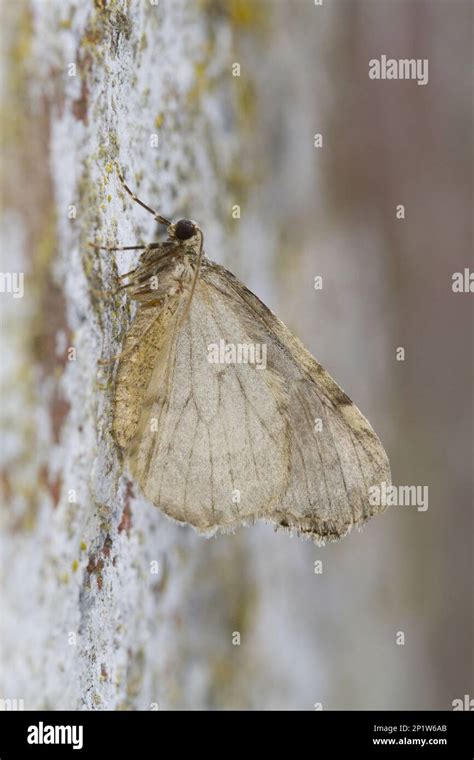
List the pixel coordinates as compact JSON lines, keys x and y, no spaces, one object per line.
{"x":88,"y":621}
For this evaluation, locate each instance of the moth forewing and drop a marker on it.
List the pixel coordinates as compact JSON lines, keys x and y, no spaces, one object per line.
{"x":145,"y":340}
{"x":207,"y":432}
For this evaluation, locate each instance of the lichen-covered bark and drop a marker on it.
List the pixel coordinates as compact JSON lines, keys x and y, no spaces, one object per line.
{"x":105,"y":603}
{"x":108,"y":605}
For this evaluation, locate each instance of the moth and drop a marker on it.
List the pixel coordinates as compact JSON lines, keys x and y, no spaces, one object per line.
{"x":220,"y":444}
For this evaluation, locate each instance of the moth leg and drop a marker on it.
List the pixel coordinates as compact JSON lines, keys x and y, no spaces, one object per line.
{"x":115,"y":358}
{"x":132,"y":195}
{"x":149,"y":247}
{"x":124,"y":276}
{"x":110,"y":360}
{"x":110,"y":293}
{"x":128,"y":274}
{"x":102,"y":293}
{"x":118,"y":247}
{"x":127,"y":285}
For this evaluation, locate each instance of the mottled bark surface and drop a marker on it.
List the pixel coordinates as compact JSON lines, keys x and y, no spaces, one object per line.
{"x":105,"y":603}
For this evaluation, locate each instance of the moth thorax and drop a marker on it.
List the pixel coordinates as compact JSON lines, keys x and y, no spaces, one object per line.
{"x":184,"y":270}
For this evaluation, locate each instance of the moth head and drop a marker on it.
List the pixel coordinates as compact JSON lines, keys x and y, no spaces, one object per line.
{"x":188,"y":234}
{"x":184,"y":229}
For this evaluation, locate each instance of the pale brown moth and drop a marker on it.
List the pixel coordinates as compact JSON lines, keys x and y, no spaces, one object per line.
{"x":219,"y":445}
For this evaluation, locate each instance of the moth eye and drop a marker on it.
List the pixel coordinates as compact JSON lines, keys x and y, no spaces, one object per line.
{"x":184,"y":229}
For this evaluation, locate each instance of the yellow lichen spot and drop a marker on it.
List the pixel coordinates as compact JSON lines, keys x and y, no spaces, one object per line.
{"x":23,"y":36}
{"x":247,"y":105}
{"x":75,"y":565}
{"x":201,"y":81}
{"x":159,"y":120}
{"x":88,"y":265}
{"x":29,"y":521}
{"x":46,"y":245}
{"x":109,"y":198}
{"x":83,"y":546}
{"x":245,"y":12}
{"x":65,"y":23}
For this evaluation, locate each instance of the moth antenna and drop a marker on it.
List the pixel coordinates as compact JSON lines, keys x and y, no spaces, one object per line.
{"x":196,"y":275}
{"x":155,"y":214}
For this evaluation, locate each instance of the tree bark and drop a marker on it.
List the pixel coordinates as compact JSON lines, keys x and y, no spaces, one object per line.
{"x":109,"y":604}
{"x":106,"y":604}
